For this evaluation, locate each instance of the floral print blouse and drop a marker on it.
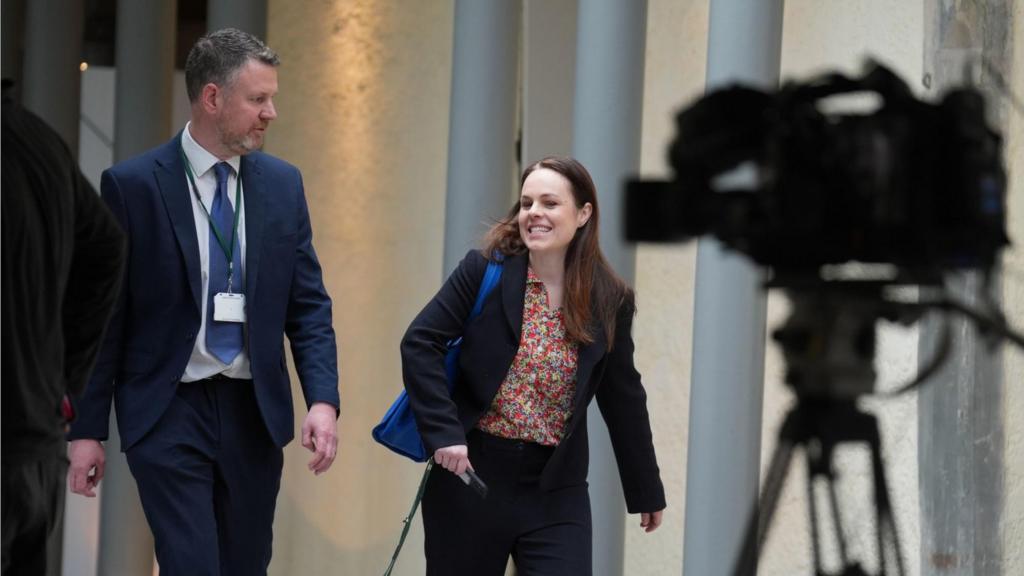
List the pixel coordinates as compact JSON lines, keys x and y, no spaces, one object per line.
{"x":535,"y":400}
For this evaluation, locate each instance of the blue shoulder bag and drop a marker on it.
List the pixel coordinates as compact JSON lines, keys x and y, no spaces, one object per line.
{"x":397,"y":429}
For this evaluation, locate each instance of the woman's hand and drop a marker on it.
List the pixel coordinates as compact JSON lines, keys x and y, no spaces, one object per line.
{"x":650,"y":521}
{"x":455,"y":458}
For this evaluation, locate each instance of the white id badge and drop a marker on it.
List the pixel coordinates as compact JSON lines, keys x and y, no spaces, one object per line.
{"x":229,"y":307}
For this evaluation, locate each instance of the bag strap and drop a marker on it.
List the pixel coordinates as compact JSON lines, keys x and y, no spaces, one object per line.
{"x":407,"y":521}
{"x":491,"y":277}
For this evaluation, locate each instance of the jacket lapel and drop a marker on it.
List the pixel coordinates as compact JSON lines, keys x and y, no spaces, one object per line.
{"x":170,"y":177}
{"x":255,"y":194}
{"x":513,"y":292}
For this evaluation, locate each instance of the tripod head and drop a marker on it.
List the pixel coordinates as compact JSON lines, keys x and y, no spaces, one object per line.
{"x":828,"y":339}
{"x":828,"y":342}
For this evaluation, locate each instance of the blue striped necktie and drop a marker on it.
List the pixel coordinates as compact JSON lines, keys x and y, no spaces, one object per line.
{"x":223,"y":339}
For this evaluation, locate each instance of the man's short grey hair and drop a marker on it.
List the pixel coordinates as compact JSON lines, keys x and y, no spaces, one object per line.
{"x":217,"y":57}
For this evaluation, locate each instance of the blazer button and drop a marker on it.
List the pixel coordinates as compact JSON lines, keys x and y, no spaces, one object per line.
{"x":190,"y":335}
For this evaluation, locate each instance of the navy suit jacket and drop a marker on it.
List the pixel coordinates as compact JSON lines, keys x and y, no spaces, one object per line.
{"x":157,"y":318}
{"x":490,"y":343}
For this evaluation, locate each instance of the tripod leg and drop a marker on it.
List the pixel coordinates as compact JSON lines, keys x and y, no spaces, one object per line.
{"x":840,"y":538}
{"x":885,"y":520}
{"x":773,"y":482}
{"x":812,"y":513}
{"x":761,"y":515}
{"x":819,"y":463}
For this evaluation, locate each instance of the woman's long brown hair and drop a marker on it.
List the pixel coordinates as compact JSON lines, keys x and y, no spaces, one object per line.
{"x":593,"y":291}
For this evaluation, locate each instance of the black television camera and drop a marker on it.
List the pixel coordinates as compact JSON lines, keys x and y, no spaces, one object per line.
{"x":914,"y":184}
{"x":778,"y":177}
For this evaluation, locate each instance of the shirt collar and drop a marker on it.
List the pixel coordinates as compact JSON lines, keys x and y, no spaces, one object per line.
{"x":532,"y":278}
{"x":200,"y":158}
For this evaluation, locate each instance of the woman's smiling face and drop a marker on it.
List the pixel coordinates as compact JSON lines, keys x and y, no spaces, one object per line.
{"x":548,"y":215}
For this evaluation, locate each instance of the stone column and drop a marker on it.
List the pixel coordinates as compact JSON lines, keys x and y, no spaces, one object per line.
{"x":610,"y":41}
{"x":723,"y":459}
{"x":142,"y":120}
{"x":482,"y":163}
{"x":962,"y":423}
{"x":246,"y":15}
{"x":51,"y":75}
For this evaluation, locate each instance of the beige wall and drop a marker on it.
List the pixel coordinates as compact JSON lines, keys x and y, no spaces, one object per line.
{"x":674,"y":75}
{"x":364,"y":113}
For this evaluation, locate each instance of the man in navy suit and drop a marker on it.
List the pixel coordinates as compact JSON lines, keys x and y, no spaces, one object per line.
{"x":221,"y":265}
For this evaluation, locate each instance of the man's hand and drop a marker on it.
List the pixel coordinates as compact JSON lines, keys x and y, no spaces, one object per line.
{"x":320,"y":436}
{"x":455,"y":458}
{"x":86,"y":468}
{"x":650,"y":521}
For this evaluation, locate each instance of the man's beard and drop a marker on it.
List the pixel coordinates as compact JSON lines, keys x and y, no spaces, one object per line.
{"x":241,"y":144}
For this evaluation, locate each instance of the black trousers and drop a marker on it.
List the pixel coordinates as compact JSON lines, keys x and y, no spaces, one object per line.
{"x":545,"y":532}
{"x":208,"y":476}
{"x":33,"y":514}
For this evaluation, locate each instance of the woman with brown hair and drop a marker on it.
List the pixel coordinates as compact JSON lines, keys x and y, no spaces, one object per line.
{"x":551,"y":336}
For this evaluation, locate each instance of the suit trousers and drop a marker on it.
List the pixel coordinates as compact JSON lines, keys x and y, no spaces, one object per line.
{"x":33,"y":514}
{"x":208,"y":475}
{"x":545,"y":532}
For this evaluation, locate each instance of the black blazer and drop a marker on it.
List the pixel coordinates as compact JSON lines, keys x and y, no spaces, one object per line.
{"x":490,"y":344}
{"x":63,"y":255}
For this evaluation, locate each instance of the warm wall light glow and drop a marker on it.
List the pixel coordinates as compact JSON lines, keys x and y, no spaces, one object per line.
{"x":83,"y":66}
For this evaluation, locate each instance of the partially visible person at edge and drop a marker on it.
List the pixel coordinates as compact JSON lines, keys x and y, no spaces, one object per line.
{"x":63,"y":254}
{"x":553,"y":334}
{"x":221,"y":267}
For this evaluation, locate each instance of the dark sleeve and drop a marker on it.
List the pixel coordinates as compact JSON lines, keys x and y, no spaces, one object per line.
{"x":308,"y":324}
{"x":93,"y":405}
{"x":623,"y":403}
{"x":97,"y":267}
{"x":424,"y":347}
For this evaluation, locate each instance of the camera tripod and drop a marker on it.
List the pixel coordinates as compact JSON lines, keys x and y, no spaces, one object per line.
{"x":818,"y":427}
{"x":829,"y":344}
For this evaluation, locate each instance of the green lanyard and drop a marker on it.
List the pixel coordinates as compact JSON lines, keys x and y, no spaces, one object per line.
{"x":229,"y":249}
{"x":407,"y":521}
